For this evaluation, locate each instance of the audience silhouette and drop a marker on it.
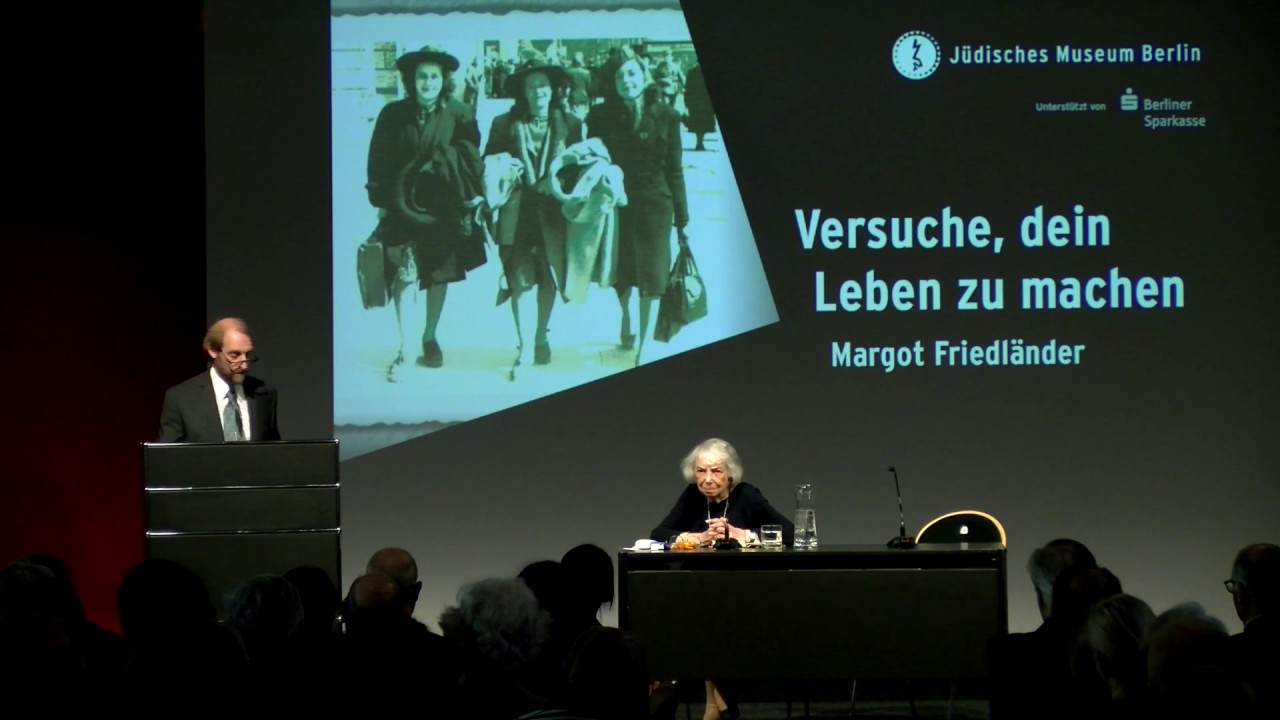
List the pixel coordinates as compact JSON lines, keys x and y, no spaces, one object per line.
{"x":533,"y":647}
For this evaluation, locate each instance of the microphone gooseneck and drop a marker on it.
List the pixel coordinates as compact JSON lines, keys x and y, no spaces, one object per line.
{"x":902,"y":541}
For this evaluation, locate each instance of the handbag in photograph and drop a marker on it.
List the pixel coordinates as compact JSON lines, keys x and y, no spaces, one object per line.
{"x":685,"y":299}
{"x":371,"y":272}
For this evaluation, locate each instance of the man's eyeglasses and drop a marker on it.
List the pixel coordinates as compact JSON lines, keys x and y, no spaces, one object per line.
{"x":1230,"y":585}
{"x":236,"y":358}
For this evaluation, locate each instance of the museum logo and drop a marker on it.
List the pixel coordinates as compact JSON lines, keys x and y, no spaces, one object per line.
{"x":917,"y":54}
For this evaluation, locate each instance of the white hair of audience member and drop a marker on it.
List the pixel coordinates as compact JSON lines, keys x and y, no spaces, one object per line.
{"x":1115,"y":631}
{"x":1192,"y":613}
{"x":1183,"y":637}
{"x":1048,"y":562}
{"x":497,"y":622}
{"x":267,"y":607}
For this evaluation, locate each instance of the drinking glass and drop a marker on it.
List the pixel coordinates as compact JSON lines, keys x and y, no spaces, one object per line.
{"x":771,"y":536}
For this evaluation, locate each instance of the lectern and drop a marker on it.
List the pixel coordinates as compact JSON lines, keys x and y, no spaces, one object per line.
{"x":230,"y":511}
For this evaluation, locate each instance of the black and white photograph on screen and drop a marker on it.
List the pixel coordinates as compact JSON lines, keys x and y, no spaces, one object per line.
{"x":523,"y":202}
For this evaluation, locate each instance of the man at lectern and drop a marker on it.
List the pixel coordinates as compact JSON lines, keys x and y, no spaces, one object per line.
{"x":225,"y":403}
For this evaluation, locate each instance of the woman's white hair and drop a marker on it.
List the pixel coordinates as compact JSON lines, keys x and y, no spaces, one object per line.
{"x":497,"y":624}
{"x":1115,"y":630}
{"x":718,"y":451}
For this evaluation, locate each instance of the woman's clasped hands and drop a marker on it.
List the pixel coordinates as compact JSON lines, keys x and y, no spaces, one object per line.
{"x":720,"y":529}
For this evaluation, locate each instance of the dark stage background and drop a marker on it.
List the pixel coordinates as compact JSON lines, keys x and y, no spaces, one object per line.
{"x":1158,"y":450}
{"x":102,"y":284}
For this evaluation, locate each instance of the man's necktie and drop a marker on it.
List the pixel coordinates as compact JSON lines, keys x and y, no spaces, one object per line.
{"x":232,"y":425}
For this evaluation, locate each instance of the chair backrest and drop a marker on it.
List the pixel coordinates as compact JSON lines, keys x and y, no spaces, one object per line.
{"x":962,"y":526}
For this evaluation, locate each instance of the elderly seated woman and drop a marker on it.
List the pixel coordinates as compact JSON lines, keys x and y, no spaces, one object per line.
{"x":718,"y":507}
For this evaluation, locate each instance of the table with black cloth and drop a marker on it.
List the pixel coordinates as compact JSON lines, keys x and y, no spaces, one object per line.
{"x":847,"y":611}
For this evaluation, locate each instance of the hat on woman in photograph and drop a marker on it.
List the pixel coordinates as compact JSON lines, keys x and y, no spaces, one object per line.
{"x":533,"y":61}
{"x":409,"y":61}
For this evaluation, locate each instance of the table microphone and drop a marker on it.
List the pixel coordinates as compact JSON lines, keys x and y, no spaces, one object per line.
{"x":902,"y":541}
{"x":726,"y":542}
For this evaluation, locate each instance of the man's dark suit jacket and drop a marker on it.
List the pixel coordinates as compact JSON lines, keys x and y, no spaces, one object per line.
{"x":190,"y":412}
{"x":1257,"y":653}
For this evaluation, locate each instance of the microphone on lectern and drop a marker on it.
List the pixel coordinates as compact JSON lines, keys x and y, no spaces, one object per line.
{"x":902,"y":541}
